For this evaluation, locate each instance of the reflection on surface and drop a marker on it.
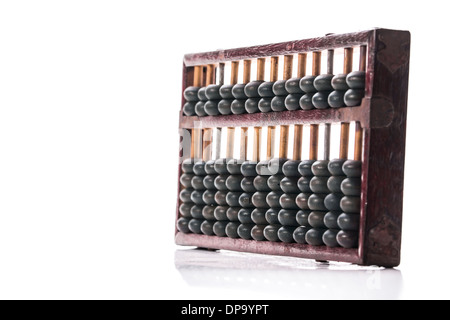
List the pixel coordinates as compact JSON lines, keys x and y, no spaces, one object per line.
{"x":286,"y":277}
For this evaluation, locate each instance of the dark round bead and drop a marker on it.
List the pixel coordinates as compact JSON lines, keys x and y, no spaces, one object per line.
{"x":260,"y":183}
{"x":333,"y":201}
{"x":265,"y":89}
{"x":336,"y":99}
{"x":251,"y":105}
{"x":347,"y":239}
{"x":275,"y":165}
{"x":185,"y":209}
{"x":352,"y":168}
{"x":264,"y":105}
{"x":212,"y":92}
{"x":329,"y":238}
{"x":197,"y":183}
{"x":314,"y":236}
{"x":316,"y":202}
{"x":353,"y":97}
{"x":348,"y":221}
{"x":278,"y":103}
{"x":220,"y":165}
{"x":208,"y":182}
{"x":232,"y":213}
{"x":273,"y":199}
{"x":221,"y":198}
{"x":197,"y":197}
{"x":247,"y":184}
{"x":292,"y":101}
{"x":187,"y":166}
{"x":238,"y":106}
{"x":288,"y":217}
{"x":245,"y":216}
{"x":224,"y":106}
{"x":186,"y":179}
{"x":209,"y":167}
{"x":196,"y":212}
{"x":307,"y":84}
{"x":351,"y":204}
{"x":199,"y":168}
{"x":287,"y":201}
{"x":194,"y":225}
{"x":351,"y":186}
{"x":189,"y":109}
{"x":285,"y":234}
{"x":183,"y":225}
{"x":305,"y":168}
{"x":257,"y":233}
{"x":290,"y":168}
{"x":248,"y":169}
{"x":200,"y":109}
{"x":234,"y":166}
{"x":335,"y":167}
{"x":202,"y":94}
{"x":259,"y":200}
{"x":302,"y":218}
{"x":244,"y":231}
{"x":219,"y":228}
{"x":238,"y":91}
{"x":316,"y":218}
{"x":208,"y":197}
{"x":289,"y":185}
{"x":231,"y":230}
{"x":207,"y":227}
{"x":220,"y":213}
{"x":245,"y":200}
{"x":356,"y":80}
{"x":271,"y":232}
{"x":334,"y":183}
{"x":339,"y":82}
{"x":272,"y":216}
{"x":262,"y":168}
{"x":225,"y":91}
{"x":279,"y":88}
{"x":319,"y":184}
{"x":191,"y":93}
{"x":220,"y":182}
{"x":251,"y":89}
{"x":274,"y":182}
{"x":299,"y":234}
{"x":323,"y":82}
{"x":232,"y":198}
{"x":259,"y":216}
{"x":233,"y":183}
{"x":330,"y":219}
{"x":320,"y":168}
{"x":306,"y":101}
{"x":304,"y":184}
{"x":293,"y":86}
{"x":302,"y":200}
{"x":212,"y":107}
{"x":320,"y":99}
{"x":208,"y":212}
{"x":185,"y":195}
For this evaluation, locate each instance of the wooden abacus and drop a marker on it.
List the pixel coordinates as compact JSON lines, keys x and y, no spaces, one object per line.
{"x":293,"y":201}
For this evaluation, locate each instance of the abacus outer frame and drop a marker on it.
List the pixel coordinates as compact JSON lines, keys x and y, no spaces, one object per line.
{"x":382,"y":115}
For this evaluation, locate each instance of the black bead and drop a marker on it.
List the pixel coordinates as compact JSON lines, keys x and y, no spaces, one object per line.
{"x":220,"y":182}
{"x":234,"y":166}
{"x":185,"y":195}
{"x":197,"y":183}
{"x":264,"y":105}
{"x":212,"y":107}
{"x":285,"y":234}
{"x":336,"y":99}
{"x":233,"y":183}
{"x":289,"y":185}
{"x":307,"y":84}
{"x":290,"y":168}
{"x":314,"y":236}
{"x":288,"y":217}
{"x":272,"y":216}
{"x":278,"y":103}
{"x":208,"y":197}
{"x":257,"y":233}
{"x":207,"y":227}
{"x":292,"y":101}
{"x":302,"y":200}
{"x":232,"y":198}
{"x":232,"y":213}
{"x":293,"y":86}
{"x":187,"y":166}
{"x":202,"y":94}
{"x":251,"y":105}
{"x":339,"y":82}
{"x":287,"y":201}
{"x":221,"y":198}
{"x":329,"y":238}
{"x":316,"y":202}
{"x":320,"y":100}
{"x":271,"y":232}
{"x":247,"y":184}
{"x":196,"y":212}
{"x":306,"y":101}
{"x":353,"y":97}
{"x":194,"y":225}
{"x":259,"y":200}
{"x":238,"y":106}
{"x":245,"y":216}
{"x":262,"y":168}
{"x":351,"y":186}
{"x":220,"y":213}
{"x":347,"y":239}
{"x":302,"y":218}
{"x":238,"y":91}
{"x":245,"y":200}
{"x":191,"y":93}
{"x":208,"y":212}
{"x":320,"y":168}
{"x":279,"y":88}
{"x":330,"y":219}
{"x":274,"y":182}
{"x":265,"y":90}
{"x":186,"y":179}
{"x":348,"y":221}
{"x":208,"y":182}
{"x":221,"y":166}
{"x":323,"y":82}
{"x":219,"y":228}
{"x":273,"y":199}
{"x":189,"y":108}
{"x":304,"y":184}
{"x":334,"y":183}
{"x":316,"y":219}
{"x":251,"y":89}
{"x":259,"y":216}
{"x":319,"y":185}
{"x":225,"y":91}
{"x":199,"y":168}
{"x":352,"y":168}
{"x":351,"y":204}
{"x":231,"y":230}
{"x":305,"y":168}
{"x":333,"y":201}
{"x":185,"y":209}
{"x":197,"y":197}
{"x":244,"y":231}
{"x":299,"y":234}
{"x":260,"y":183}
{"x":209,"y":167}
{"x":183,"y":225}
{"x":248,"y":169}
{"x":356,"y":80}
{"x":275,"y":165}
{"x":224,"y":106}
{"x":212,"y":92}
{"x":335,"y":167}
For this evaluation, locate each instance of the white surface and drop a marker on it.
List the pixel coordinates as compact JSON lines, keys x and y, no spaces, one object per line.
{"x":88,"y":177}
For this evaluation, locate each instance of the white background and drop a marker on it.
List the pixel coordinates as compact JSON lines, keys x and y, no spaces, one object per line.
{"x":89,"y":100}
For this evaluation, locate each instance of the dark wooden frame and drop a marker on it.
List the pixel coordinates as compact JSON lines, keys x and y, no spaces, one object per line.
{"x":382,"y":115}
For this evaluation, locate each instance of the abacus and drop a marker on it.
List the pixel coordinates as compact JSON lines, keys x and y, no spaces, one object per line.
{"x":309,"y":165}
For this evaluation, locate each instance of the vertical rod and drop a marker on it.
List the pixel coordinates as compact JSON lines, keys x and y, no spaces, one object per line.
{"x":348,"y":60}
{"x":192,"y":131}
{"x":198,"y":76}
{"x":314,"y":128}
{"x":243,"y":145}
{"x":327,"y":135}
{"x":260,"y":69}
{"x":330,"y":61}
{"x":221,"y":73}
{"x":230,"y":143}
{"x":207,"y":140}
{"x":316,"y":63}
{"x":273,"y":69}
{"x":284,"y":139}
{"x":362,"y":58}
{"x":257,"y":144}
{"x":343,"y":149}
{"x":210,"y":68}
{"x":247,"y":70}
{"x":270,"y":142}
{"x":298,"y":136}
{"x":301,"y":71}
{"x":218,"y":142}
{"x":358,"y":141}
{"x":198,"y":144}
{"x":287,"y":69}
{"x":234,"y":72}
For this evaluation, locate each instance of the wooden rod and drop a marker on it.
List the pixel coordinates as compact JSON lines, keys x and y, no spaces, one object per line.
{"x":273,"y":69}
{"x":221,"y":73}
{"x":210,"y":68}
{"x":343,"y":149}
{"x":316,"y":62}
{"x":244,"y":142}
{"x":314,"y":142}
{"x":257,"y":144}
{"x":327,"y":140}
{"x":330,"y":61}
{"x":348,"y":60}
{"x":192,"y":131}
{"x":234,"y":72}
{"x":284,"y":140}
{"x":198,"y":143}
{"x":287,"y":69}
{"x":207,"y":140}
{"x":260,"y":69}
{"x":230,"y":143}
{"x":362,"y":58}
{"x":301,"y":71}
{"x":198,"y":76}
{"x":298,"y":136}
{"x":270,"y":142}
{"x":247,"y":70}
{"x":358,"y":141}
{"x":218,"y":142}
